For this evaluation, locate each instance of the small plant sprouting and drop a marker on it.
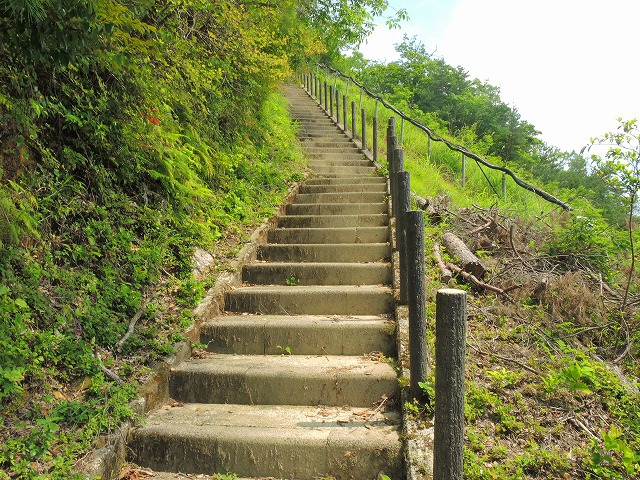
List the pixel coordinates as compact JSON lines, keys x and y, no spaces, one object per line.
{"x":292,"y":280}
{"x":286,"y":350}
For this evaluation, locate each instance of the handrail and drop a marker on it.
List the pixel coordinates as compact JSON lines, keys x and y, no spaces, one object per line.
{"x":452,"y":146}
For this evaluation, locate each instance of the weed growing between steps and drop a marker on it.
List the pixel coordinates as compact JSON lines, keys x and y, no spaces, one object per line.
{"x":551,"y":388}
{"x":102,"y":257}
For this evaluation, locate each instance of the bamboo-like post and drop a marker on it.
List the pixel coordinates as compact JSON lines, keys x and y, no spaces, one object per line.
{"x":414,"y":224}
{"x":375,"y":135}
{"x":353,"y":119}
{"x":504,"y":185}
{"x":464,"y":170}
{"x":363,"y":116}
{"x":402,"y":133}
{"x":451,"y":330}
{"x":403,"y":187}
{"x":344,"y":110}
{"x":326,"y":95}
{"x":393,"y":146}
{"x":331,"y":100}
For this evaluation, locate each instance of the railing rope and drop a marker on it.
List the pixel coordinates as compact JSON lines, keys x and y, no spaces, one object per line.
{"x":451,"y":145}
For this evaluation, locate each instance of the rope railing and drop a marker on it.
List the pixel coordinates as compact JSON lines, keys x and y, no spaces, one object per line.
{"x":438,"y":138}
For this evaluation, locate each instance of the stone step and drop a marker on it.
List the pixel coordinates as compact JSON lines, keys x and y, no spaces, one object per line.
{"x":328,"y":156}
{"x":311,"y":300}
{"x":360,"y":180}
{"x":302,"y":443}
{"x":338,"y":141}
{"x":341,"y":160}
{"x":341,"y":197}
{"x":338,"y":170}
{"x":329,"y":235}
{"x":290,"y":273}
{"x":373,"y":173}
{"x":359,"y":252}
{"x":333,"y":221}
{"x":344,"y":188}
{"x":284,"y":380}
{"x":303,"y":334}
{"x":310,"y":151}
{"x":337,"y":208}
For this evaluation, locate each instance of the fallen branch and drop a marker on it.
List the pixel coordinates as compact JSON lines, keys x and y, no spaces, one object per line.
{"x":109,"y":373}
{"x":446,"y":273}
{"x":383,"y":401}
{"x":578,"y":423}
{"x":132,"y":323}
{"x":486,"y":226}
{"x":473,"y":279}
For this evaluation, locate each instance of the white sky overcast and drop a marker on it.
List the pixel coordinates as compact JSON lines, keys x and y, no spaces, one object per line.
{"x":570,"y":67}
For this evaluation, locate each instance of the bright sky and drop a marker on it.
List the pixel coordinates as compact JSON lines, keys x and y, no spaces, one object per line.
{"x":570,"y":67}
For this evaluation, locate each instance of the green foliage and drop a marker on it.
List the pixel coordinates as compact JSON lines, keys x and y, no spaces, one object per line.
{"x":580,"y":242}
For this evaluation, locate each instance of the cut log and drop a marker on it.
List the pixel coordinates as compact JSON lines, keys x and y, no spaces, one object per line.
{"x":465,"y":257}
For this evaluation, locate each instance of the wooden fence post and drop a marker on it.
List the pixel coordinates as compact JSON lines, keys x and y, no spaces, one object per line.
{"x":393,"y":146}
{"x":403,"y":187}
{"x":344,"y":109}
{"x":363,"y":116}
{"x":375,"y":139}
{"x":337,"y":106}
{"x":414,"y":225}
{"x":326,"y":94}
{"x":451,"y":321}
{"x":331,"y":100}
{"x":353,"y":119}
{"x":504,"y":185}
{"x":464,"y":170}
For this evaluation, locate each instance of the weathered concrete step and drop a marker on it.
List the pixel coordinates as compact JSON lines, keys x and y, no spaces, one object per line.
{"x":346,"y":180}
{"x":333,"y":221}
{"x":337,"y":208}
{"x":341,"y":197}
{"x":319,"y":130}
{"x":339,"y":161}
{"x":303,"y":334}
{"x":314,"y":163}
{"x":329,"y":235}
{"x":310,"y":150}
{"x":322,"y":134}
{"x":327,"y":156}
{"x":311,"y":300}
{"x":323,"y":170}
{"x":338,"y":141}
{"x":302,"y":443}
{"x":329,"y":273}
{"x":283,"y":380}
{"x":344,"y":188}
{"x":373,"y":173}
{"x":344,"y":252}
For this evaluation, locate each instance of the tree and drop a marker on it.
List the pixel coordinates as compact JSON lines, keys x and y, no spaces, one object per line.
{"x":620,"y":168}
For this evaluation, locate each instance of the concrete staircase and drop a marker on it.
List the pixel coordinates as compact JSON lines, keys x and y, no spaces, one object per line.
{"x":297,"y":383}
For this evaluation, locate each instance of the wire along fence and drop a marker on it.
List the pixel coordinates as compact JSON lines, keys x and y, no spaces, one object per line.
{"x":348,"y":101}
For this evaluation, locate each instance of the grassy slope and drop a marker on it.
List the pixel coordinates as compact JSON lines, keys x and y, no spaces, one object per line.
{"x":548,"y":389}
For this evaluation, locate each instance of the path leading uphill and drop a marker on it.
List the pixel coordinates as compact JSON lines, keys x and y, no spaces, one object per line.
{"x":299,"y":381}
